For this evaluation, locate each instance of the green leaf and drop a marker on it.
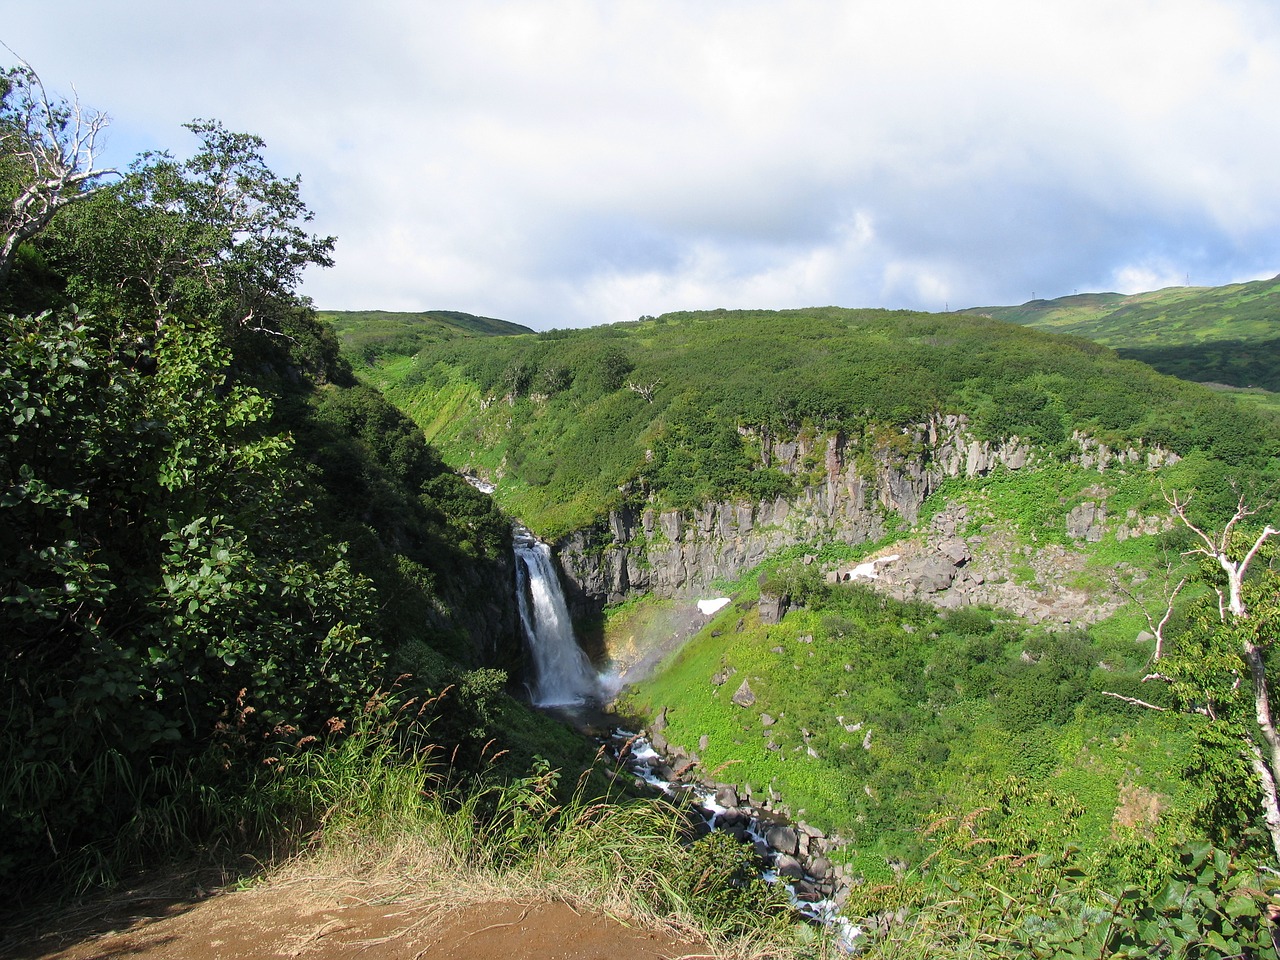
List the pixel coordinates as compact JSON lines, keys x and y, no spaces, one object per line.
{"x":1242,"y":907}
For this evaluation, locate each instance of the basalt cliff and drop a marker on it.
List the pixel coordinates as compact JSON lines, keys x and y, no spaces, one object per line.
{"x":858,"y":491}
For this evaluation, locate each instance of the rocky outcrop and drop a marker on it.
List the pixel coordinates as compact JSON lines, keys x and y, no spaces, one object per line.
{"x":962,"y":561}
{"x":1087,"y":521}
{"x":853,"y":490}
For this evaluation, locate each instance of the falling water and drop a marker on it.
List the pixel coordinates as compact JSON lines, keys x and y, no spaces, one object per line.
{"x":562,"y":672}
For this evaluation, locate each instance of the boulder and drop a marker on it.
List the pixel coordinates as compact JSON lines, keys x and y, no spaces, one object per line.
{"x":773,"y":608}
{"x":744,"y":697}
{"x":789,"y":867}
{"x":955,"y":550}
{"x":727,"y":796}
{"x":1087,"y":522}
{"x":783,"y":839}
{"x":934,"y":575}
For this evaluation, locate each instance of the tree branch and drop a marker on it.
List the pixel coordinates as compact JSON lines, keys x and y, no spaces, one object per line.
{"x":58,"y":147}
{"x":1134,"y":701}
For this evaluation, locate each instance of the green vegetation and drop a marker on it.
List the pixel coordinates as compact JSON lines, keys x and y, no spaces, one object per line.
{"x":673,"y":411}
{"x":369,"y":337}
{"x":1209,"y":334}
{"x":872,"y":717}
{"x":217,"y":547}
{"x":247,"y":608}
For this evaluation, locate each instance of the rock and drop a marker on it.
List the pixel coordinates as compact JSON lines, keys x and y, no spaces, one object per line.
{"x":789,"y":867}
{"x":659,"y":722}
{"x":783,"y":839}
{"x":820,"y":868}
{"x":744,"y":696}
{"x":766,"y":720}
{"x":727,"y":796}
{"x":1086,"y":522}
{"x":773,"y":608}
{"x":720,"y":677}
{"x":702,"y":743}
{"x":812,"y":832}
{"x":955,"y":550}
{"x":935,"y":575}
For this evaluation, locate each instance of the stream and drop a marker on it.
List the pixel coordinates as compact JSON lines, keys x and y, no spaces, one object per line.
{"x":564,"y":682}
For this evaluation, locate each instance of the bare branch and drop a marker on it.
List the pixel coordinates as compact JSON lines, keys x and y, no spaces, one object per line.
{"x":644,"y":389}
{"x":1210,"y":549}
{"x":55,"y":143}
{"x":1219,"y":552}
{"x":1134,"y":701}
{"x":1157,"y":627}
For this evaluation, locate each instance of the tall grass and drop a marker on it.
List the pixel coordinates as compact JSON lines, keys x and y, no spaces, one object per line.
{"x":379,"y":810}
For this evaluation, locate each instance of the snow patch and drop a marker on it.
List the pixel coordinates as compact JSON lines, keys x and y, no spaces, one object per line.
{"x":708,"y":607}
{"x":868,"y":570}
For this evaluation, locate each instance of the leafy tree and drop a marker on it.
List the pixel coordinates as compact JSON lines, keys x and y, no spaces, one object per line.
{"x":158,"y":569}
{"x":219,"y":236}
{"x":164,"y":590}
{"x":1218,"y":669}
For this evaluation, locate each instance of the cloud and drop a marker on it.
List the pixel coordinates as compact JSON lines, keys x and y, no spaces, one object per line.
{"x":563,"y":162}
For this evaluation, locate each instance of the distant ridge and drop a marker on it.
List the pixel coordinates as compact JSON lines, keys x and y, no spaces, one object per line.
{"x":1167,"y":317}
{"x":367,"y":335}
{"x":1225,"y":335}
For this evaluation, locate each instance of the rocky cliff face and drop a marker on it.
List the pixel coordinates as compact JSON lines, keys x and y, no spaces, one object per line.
{"x":854,"y":490}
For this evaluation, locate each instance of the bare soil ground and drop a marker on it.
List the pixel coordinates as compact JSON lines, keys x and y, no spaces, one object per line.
{"x":317,"y":921}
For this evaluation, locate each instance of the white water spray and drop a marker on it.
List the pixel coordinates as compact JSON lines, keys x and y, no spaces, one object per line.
{"x":562,"y":672}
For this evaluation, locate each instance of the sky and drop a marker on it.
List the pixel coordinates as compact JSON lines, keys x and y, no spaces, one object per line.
{"x":565,"y":163}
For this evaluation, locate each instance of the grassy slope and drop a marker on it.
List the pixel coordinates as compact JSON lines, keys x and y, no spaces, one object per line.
{"x":1228,"y":334}
{"x":1174,"y":315}
{"x":551,"y":419}
{"x":950,"y":707}
{"x":373,"y":338}
{"x":934,"y":748}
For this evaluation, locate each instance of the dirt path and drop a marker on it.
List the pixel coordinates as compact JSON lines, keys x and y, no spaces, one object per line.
{"x":293,"y":921}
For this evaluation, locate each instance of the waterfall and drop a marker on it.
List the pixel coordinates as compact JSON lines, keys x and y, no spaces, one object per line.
{"x":562,"y":672}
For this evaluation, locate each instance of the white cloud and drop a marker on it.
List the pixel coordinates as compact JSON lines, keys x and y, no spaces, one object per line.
{"x":1135,"y":278}
{"x":566,"y":162}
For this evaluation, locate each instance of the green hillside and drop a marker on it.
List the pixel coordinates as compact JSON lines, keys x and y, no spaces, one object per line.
{"x":873,"y":717}
{"x":670,"y":411}
{"x":1228,"y":335}
{"x":371,"y":337}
